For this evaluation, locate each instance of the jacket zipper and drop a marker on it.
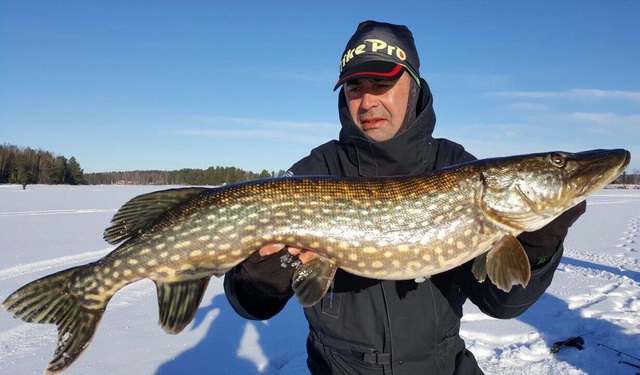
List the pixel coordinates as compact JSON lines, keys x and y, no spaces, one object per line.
{"x":386,"y":310}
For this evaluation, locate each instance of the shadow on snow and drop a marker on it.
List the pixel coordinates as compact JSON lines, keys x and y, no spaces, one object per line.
{"x":633,"y":275}
{"x":556,"y":321}
{"x":217,"y":352}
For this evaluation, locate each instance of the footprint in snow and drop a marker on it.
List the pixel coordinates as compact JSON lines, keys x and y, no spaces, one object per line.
{"x":630,"y":234}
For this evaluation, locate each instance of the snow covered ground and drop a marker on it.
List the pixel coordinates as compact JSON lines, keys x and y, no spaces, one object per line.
{"x":43,"y":229}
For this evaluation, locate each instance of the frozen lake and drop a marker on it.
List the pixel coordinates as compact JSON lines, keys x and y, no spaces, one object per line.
{"x":44,"y":229}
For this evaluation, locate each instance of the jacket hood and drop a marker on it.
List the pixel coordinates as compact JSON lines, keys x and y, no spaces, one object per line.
{"x":408,"y":152}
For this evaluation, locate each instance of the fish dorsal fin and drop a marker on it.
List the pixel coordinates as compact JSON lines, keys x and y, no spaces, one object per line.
{"x":143,"y":210}
{"x":506,"y":264}
{"x":178,"y":302}
{"x":312,"y":280}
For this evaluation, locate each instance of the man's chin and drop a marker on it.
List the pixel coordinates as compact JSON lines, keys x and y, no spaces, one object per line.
{"x":378,"y":134}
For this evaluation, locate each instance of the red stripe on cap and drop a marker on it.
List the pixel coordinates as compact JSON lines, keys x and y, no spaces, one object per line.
{"x":392,"y":73}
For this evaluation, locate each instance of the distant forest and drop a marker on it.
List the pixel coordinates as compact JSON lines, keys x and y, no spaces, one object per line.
{"x":24,"y":165}
{"x":28,"y":166}
{"x":212,"y":176}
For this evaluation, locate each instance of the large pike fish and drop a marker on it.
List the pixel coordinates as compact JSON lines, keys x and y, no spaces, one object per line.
{"x":385,"y":228}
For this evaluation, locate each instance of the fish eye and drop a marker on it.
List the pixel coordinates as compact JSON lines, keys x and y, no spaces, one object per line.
{"x":558,"y":160}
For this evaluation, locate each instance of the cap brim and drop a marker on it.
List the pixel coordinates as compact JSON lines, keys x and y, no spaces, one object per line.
{"x":371,"y":69}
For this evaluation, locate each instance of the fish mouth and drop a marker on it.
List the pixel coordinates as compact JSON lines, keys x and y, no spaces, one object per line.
{"x":600,"y":167}
{"x":624,"y":158}
{"x":625,"y":162}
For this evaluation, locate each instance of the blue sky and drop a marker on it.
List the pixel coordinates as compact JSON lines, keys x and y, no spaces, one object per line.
{"x":125,"y":85}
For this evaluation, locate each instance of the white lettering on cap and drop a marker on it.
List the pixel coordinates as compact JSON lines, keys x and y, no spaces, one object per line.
{"x":372,"y":45}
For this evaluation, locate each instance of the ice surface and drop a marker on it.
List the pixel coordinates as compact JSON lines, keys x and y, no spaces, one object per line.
{"x":596,"y":290}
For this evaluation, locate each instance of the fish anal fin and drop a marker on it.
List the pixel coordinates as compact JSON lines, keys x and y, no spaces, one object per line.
{"x":312,"y":280}
{"x":142,"y":210}
{"x":507,"y":263}
{"x":178,"y":302}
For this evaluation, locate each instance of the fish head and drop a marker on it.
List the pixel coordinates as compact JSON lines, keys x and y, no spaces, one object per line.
{"x":526,"y":192}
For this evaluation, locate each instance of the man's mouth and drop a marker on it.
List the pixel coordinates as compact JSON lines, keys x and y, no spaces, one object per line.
{"x":371,"y":123}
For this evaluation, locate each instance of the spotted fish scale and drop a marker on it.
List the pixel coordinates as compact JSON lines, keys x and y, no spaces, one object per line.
{"x":375,"y":227}
{"x":386,"y":228}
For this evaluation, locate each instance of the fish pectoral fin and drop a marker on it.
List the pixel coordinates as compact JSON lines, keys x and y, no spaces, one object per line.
{"x":178,"y":302}
{"x":312,"y":280}
{"x":507,"y":264}
{"x":144,"y":209}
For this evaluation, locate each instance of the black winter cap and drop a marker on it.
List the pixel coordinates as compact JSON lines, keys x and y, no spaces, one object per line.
{"x":379,"y":50}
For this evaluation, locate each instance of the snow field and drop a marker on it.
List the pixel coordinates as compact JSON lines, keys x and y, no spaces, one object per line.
{"x":596,"y":292}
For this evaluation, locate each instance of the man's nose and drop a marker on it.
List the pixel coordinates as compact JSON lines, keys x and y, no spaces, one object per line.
{"x":369,"y":101}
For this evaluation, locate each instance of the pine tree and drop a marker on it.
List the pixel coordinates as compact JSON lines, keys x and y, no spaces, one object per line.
{"x":75,"y":174}
{"x":21,"y":173}
{"x":58,"y":171}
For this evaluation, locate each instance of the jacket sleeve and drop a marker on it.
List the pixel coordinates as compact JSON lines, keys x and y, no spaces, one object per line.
{"x":547,"y":242}
{"x":246,"y":300}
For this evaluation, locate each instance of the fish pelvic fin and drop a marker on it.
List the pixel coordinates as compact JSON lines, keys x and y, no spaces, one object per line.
{"x":312,"y":280}
{"x":49,"y":300}
{"x":506,"y":264}
{"x":479,"y":267}
{"x":143,"y":210}
{"x":178,"y":302}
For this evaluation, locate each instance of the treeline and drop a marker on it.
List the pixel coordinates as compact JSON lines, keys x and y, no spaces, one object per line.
{"x":24,"y":165}
{"x":211,"y":176}
{"x":629,"y":178}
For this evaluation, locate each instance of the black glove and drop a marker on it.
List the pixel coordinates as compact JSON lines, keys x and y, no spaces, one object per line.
{"x":269,"y":276}
{"x":542,"y":244}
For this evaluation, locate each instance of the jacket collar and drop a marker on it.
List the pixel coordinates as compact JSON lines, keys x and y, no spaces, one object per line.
{"x":408,"y":152}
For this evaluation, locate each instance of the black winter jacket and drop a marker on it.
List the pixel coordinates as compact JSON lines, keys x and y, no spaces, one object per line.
{"x":366,"y":326}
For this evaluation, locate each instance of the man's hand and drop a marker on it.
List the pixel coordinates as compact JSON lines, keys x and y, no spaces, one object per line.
{"x":302,"y":254}
{"x":269,"y":270}
{"x":542,"y":244}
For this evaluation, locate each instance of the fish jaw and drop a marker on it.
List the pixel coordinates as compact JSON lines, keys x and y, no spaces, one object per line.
{"x":524,"y":193}
{"x":596,"y":169}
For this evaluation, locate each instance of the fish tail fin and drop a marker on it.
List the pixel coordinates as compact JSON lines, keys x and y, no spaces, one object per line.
{"x":50,"y":300}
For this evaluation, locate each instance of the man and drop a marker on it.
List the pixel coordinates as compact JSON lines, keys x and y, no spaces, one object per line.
{"x":366,"y":326}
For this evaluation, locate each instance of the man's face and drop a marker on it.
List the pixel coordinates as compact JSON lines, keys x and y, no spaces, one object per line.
{"x":378,"y":107}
